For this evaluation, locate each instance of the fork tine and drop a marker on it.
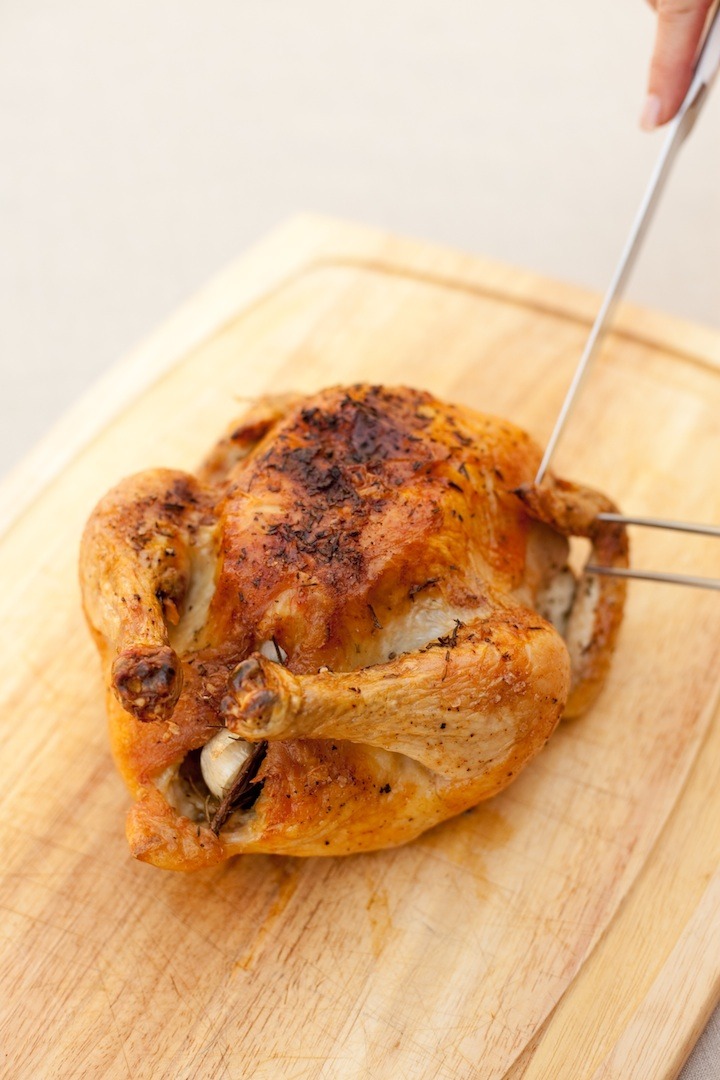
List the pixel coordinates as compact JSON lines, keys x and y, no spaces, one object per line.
{"x":651,"y":575}
{"x":663,"y":523}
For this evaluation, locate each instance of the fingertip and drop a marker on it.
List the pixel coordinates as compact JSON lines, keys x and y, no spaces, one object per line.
{"x":650,"y":115}
{"x":678,"y":34}
{"x":665,"y":96}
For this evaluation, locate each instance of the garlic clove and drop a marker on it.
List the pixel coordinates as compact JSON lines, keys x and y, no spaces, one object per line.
{"x":221,"y":760}
{"x":272,"y":651}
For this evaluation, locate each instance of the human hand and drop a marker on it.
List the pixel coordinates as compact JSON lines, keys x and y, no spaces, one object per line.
{"x":679,"y":29}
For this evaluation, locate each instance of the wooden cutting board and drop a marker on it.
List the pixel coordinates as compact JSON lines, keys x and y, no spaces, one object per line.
{"x":567,"y":928}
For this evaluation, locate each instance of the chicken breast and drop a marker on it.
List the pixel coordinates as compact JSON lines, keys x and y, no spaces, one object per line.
{"x":356,"y":621}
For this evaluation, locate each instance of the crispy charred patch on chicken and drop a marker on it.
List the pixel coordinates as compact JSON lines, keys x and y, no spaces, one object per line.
{"x":358,"y":621}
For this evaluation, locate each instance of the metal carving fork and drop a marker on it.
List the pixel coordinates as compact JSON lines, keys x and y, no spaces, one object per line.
{"x":680,"y":127}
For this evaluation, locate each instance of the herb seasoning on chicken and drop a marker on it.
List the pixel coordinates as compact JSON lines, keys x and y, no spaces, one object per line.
{"x":357,"y":621}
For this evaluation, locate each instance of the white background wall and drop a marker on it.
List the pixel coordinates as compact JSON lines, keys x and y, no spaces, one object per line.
{"x":146,"y":143}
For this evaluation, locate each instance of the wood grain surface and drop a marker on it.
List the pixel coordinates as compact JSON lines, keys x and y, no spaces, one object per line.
{"x":565,"y":929}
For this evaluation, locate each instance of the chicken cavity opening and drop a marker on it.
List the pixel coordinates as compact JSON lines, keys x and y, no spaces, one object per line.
{"x":203,"y":781}
{"x":216,"y":781}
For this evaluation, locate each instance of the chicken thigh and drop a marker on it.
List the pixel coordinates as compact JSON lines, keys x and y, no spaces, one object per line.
{"x":356,"y":621}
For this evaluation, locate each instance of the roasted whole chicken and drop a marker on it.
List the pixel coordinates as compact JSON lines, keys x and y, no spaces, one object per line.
{"x":356,"y":621}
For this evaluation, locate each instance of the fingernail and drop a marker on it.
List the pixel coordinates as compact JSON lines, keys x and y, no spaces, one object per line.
{"x":651,"y":113}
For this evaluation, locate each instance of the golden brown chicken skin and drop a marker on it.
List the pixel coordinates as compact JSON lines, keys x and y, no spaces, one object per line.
{"x":355,"y":622}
